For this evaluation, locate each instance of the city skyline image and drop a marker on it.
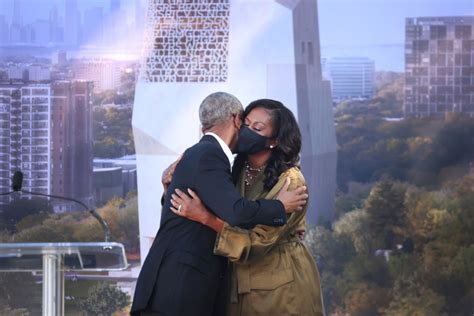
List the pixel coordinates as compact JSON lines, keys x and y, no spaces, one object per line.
{"x":99,"y":97}
{"x":381,"y":36}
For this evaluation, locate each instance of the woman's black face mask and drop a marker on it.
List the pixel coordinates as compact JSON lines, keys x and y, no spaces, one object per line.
{"x":250,"y":142}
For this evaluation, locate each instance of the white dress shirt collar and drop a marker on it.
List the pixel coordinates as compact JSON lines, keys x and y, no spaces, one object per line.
{"x":224,"y":147}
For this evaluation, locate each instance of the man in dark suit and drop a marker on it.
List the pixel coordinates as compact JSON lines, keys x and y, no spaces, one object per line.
{"x":181,"y":275}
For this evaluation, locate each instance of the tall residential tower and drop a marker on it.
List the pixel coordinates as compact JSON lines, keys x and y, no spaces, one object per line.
{"x":439,"y":66}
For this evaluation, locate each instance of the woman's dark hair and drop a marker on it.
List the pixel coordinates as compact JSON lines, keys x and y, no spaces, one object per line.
{"x":287,"y":133}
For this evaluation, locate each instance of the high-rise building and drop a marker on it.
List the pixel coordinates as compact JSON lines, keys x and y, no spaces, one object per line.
{"x":139,"y":15}
{"x":351,"y":77}
{"x":439,"y":66}
{"x":184,"y":62}
{"x":71,"y":155}
{"x":41,"y":32}
{"x":25,"y":135}
{"x":46,"y":132}
{"x":114,"y":5}
{"x":27,"y":34}
{"x":17,"y":17}
{"x":93,"y":26}
{"x":54,"y":25}
{"x":71,"y":22}
{"x":4,"y":31}
{"x":117,"y":22}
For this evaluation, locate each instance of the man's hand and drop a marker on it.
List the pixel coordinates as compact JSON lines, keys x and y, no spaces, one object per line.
{"x":167,"y":175}
{"x":294,"y":200}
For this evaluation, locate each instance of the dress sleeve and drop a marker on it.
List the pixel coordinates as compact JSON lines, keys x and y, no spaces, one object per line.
{"x":243,"y":245}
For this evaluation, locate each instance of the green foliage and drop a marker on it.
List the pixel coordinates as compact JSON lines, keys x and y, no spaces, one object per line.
{"x":355,"y":225}
{"x":332,"y":251}
{"x":113,"y":135}
{"x":104,"y":299}
{"x":386,"y":214}
{"x":352,"y":199}
{"x":121,"y":216}
{"x":366,"y":299}
{"x":425,"y":267}
{"x":426,"y":152}
{"x":419,"y":223}
{"x":413,"y":298}
{"x":19,"y":291}
{"x":20,"y":208}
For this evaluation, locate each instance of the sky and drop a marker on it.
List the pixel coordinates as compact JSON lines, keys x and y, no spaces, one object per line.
{"x":42,"y":7}
{"x":365,"y":28}
{"x":376,"y":28}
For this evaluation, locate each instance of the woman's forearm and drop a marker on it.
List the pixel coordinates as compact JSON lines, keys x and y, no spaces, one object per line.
{"x":214,"y":222}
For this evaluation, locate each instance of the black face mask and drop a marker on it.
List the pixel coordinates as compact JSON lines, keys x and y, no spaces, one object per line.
{"x":250,"y":142}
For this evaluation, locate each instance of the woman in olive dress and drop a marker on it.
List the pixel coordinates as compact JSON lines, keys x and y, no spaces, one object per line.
{"x":272,"y":272}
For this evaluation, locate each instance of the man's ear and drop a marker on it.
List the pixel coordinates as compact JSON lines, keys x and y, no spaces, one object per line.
{"x":237,"y":121}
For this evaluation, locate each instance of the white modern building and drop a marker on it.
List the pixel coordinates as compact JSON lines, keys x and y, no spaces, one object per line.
{"x":252,"y":49}
{"x":351,"y":77}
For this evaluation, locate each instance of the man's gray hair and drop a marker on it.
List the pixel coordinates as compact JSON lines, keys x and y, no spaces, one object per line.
{"x":217,"y":108}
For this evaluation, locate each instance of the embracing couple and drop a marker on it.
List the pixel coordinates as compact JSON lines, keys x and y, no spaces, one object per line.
{"x":229,"y":240}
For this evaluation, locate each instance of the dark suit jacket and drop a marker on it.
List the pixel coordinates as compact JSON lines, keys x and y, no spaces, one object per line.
{"x":181,"y":275}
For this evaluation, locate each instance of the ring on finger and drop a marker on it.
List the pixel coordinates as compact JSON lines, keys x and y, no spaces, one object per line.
{"x":179,"y":208}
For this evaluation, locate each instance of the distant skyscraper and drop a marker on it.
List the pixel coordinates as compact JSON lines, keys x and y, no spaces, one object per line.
{"x":41,"y":32}
{"x":17,"y":17}
{"x":114,"y":5}
{"x":27,"y":34}
{"x":139,"y":15}
{"x":439,"y":66}
{"x":93,"y":26}
{"x":54,"y":25}
{"x":4,"y":30}
{"x":117,"y":23}
{"x":351,"y":77}
{"x":71,"y":30}
{"x":17,"y":23}
{"x":230,"y":50}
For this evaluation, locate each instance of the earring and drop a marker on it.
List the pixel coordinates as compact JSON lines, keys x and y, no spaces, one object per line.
{"x":271,"y":146}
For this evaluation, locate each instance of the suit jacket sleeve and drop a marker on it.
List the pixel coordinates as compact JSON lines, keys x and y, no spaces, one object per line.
{"x":213,"y":184}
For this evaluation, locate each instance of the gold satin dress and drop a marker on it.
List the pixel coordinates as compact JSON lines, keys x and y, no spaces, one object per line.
{"x":273,"y":272}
